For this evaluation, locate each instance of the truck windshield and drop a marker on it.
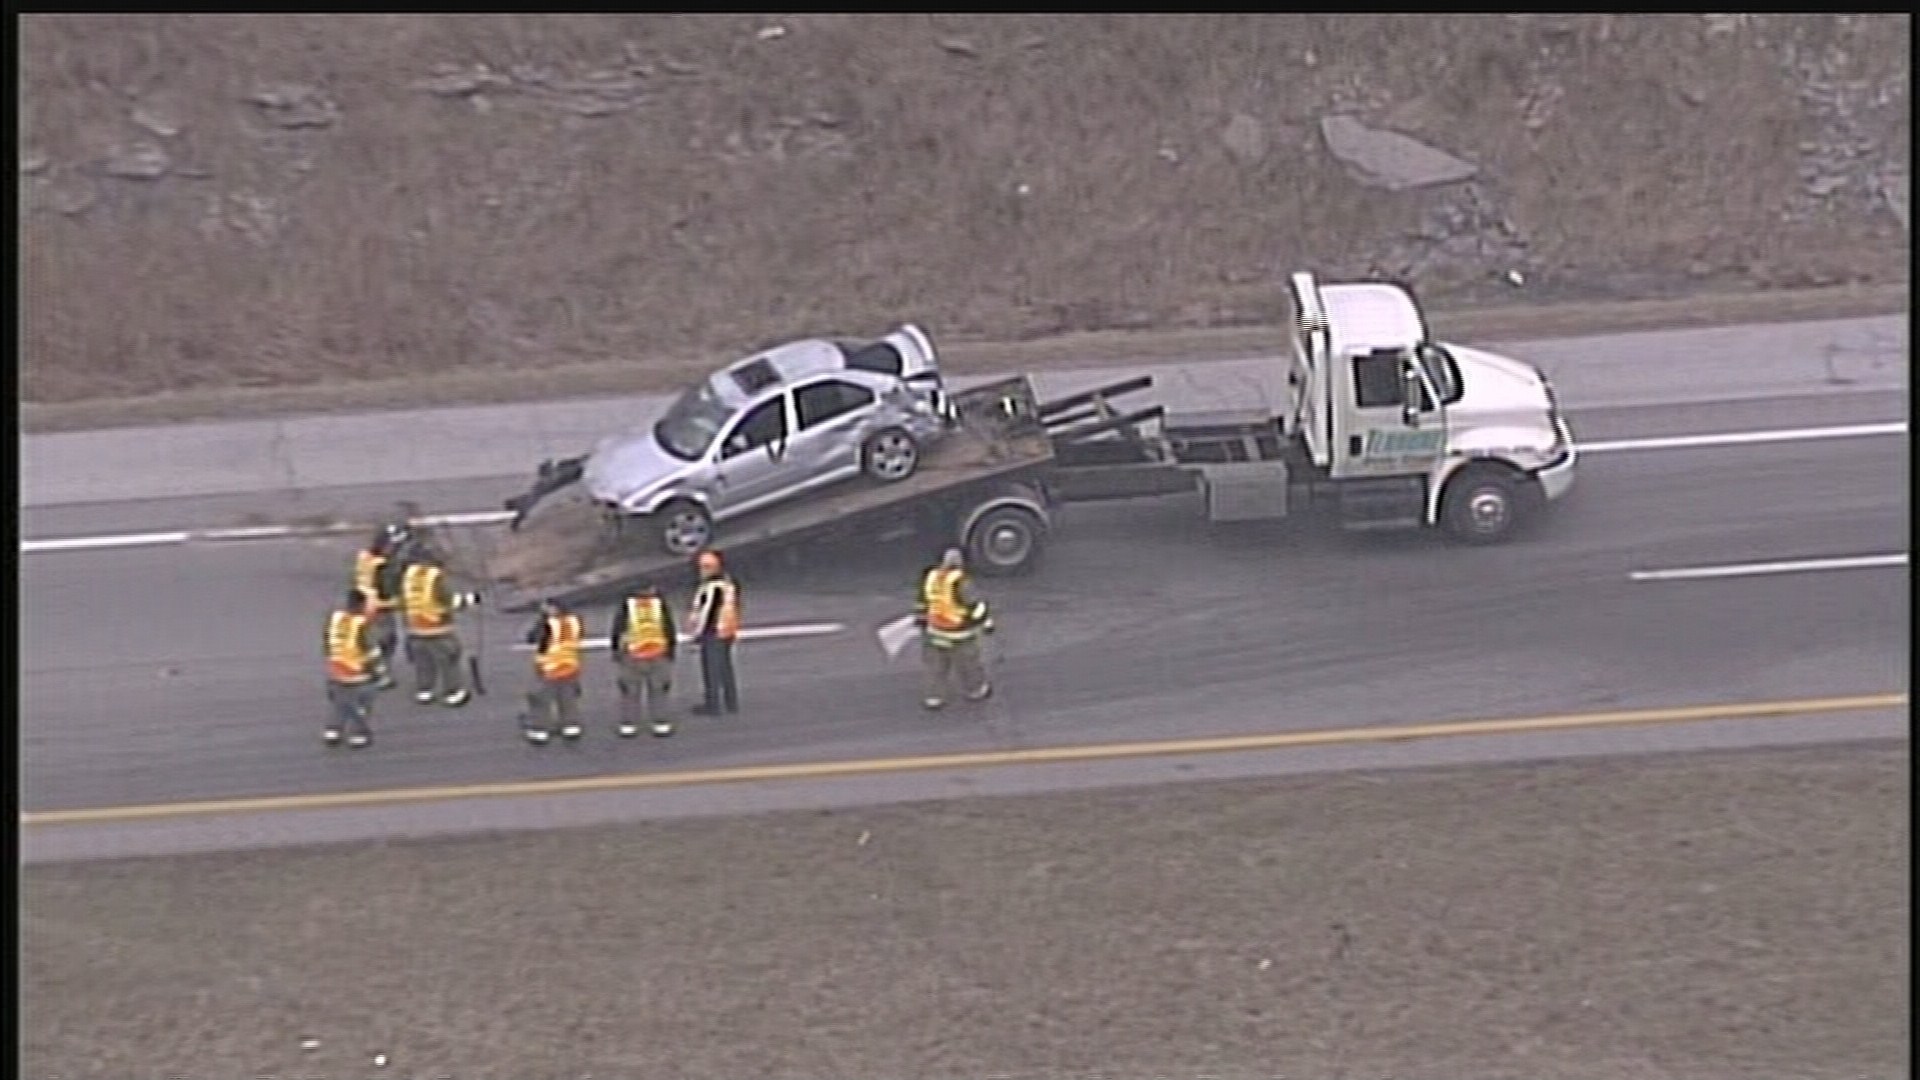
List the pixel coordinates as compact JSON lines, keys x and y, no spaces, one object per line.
{"x":692,"y":422}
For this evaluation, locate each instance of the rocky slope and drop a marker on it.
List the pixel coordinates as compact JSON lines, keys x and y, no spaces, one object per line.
{"x":215,"y":201}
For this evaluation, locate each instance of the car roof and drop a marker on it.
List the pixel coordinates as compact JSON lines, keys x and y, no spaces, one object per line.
{"x":784,"y":364}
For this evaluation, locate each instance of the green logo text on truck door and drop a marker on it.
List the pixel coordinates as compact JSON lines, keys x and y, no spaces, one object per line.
{"x":1387,"y":443}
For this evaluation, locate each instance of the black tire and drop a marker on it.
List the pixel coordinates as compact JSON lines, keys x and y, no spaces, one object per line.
{"x":683,"y":527}
{"x":890,"y":456}
{"x":1483,"y":504}
{"x":1006,"y":541}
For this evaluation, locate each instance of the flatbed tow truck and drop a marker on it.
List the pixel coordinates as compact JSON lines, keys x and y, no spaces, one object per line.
{"x":1384,"y":428}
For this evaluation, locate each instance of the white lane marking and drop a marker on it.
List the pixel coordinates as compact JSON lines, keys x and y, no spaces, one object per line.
{"x":275,"y":532}
{"x":476,"y":517}
{"x":249,"y":532}
{"x":1743,"y":438}
{"x":1690,"y":573}
{"x":95,"y":543}
{"x":747,"y":633}
{"x":495,"y":517}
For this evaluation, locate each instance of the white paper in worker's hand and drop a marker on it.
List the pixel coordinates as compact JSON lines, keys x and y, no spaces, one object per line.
{"x":895,"y":636}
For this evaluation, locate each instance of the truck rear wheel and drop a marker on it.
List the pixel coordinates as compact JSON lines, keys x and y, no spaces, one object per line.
{"x":1005,"y":541}
{"x":1482,"y":504}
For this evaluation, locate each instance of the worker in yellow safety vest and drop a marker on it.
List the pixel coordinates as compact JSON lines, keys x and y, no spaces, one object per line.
{"x":353,"y":663}
{"x":375,"y":579}
{"x":952,"y":619}
{"x":644,"y":644}
{"x":433,"y":643}
{"x":715,"y":622}
{"x":556,"y":641}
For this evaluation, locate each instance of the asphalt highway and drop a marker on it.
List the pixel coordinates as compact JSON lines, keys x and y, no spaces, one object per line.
{"x":159,"y":674}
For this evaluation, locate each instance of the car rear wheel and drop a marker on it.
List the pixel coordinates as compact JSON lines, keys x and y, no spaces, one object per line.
{"x":684,"y":527}
{"x":891,"y":456}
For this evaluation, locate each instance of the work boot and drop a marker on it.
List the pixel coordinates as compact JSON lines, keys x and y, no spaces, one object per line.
{"x":359,"y":741}
{"x":331,"y":736}
{"x":457,"y":698}
{"x":662,"y":729}
{"x":570,"y":732}
{"x":537,"y":736}
{"x":627,"y":731}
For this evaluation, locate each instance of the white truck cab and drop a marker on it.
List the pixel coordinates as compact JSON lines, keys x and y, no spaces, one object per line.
{"x":1414,"y":431}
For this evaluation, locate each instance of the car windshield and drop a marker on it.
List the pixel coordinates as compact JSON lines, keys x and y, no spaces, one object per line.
{"x":692,"y":422}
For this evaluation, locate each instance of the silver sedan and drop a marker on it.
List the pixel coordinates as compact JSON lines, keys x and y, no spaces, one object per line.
{"x":776,"y":426}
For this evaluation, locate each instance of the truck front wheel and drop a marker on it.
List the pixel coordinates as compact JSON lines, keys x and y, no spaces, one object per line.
{"x":1482,"y":504}
{"x":1005,"y":541}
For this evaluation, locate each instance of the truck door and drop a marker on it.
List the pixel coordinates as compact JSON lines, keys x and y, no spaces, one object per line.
{"x":1393,"y":423}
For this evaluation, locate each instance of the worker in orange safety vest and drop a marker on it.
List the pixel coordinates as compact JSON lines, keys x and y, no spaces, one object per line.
{"x":952,"y":619}
{"x":433,"y":643}
{"x":644,"y":644}
{"x":555,"y":694}
{"x":715,"y":622}
{"x":375,"y":579}
{"x":353,"y":663}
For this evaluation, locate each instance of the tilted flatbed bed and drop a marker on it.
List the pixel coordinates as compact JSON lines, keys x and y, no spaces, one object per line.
{"x":993,"y":461}
{"x":989,"y":486}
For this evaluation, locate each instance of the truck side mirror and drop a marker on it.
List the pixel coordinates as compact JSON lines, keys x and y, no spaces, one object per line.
{"x":1409,"y":394}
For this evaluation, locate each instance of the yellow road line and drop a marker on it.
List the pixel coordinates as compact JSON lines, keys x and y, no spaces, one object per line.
{"x":816,"y":770}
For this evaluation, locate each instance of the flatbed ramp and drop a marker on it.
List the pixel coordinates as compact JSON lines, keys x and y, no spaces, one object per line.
{"x":565,"y":550}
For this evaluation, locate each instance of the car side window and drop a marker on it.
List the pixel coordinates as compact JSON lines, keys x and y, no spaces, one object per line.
{"x":1376,"y":381}
{"x":825,"y":401}
{"x":765,"y":423}
{"x":880,"y":357}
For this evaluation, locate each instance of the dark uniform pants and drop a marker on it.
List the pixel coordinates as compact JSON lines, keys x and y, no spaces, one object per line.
{"x":716,"y":675}
{"x":644,"y":685}
{"x":351,"y":704}
{"x":948,"y":663}
{"x":386,"y":634}
{"x":436,"y":664}
{"x":552,"y":699}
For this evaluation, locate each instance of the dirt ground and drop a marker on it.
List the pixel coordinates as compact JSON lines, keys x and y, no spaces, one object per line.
{"x":1738,"y":916}
{"x":216,"y":202}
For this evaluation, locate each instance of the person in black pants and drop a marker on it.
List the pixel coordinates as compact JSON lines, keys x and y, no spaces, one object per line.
{"x":716,"y":623}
